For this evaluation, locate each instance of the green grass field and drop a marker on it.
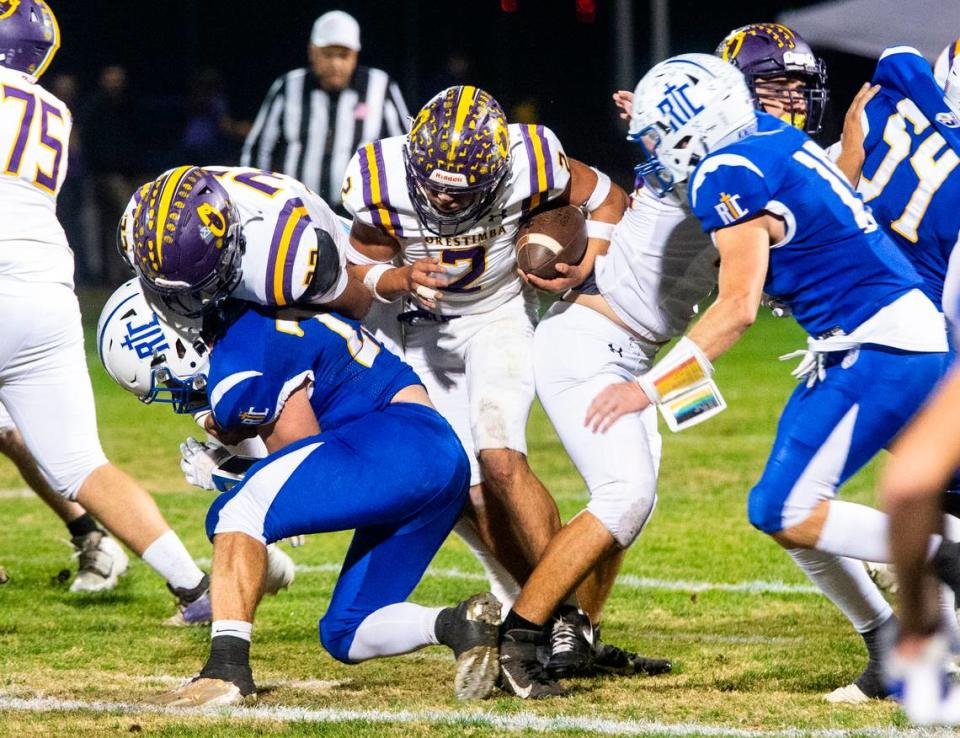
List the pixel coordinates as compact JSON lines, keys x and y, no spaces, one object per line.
{"x":750,"y":660}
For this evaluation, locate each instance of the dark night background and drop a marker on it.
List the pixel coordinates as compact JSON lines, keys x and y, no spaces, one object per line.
{"x":540,"y":62}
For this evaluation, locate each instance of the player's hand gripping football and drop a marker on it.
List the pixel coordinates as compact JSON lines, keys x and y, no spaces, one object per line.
{"x":571,"y":275}
{"x":612,"y":403}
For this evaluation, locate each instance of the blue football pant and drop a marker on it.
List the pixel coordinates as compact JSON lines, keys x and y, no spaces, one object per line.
{"x":398,"y":476}
{"x":829,"y":431}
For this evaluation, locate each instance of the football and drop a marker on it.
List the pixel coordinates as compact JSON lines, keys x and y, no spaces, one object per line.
{"x":556,"y":235}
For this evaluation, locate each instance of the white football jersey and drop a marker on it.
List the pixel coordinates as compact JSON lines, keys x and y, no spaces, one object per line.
{"x":34,"y":135}
{"x":659,"y":266}
{"x":481,"y":261}
{"x":278,"y":218}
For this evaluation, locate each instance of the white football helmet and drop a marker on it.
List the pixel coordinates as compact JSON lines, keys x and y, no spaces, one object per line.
{"x":156,"y":356}
{"x":947,"y":72}
{"x":683,"y":109}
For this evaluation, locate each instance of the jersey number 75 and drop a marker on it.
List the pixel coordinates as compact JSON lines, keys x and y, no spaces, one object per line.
{"x":27,"y":148}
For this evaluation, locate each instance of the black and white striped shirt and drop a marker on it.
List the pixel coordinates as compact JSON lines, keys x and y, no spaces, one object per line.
{"x":310,"y":134}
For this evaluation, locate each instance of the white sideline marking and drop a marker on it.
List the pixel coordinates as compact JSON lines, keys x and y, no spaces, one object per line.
{"x":18,"y":493}
{"x":629,"y":581}
{"x":516,"y":722}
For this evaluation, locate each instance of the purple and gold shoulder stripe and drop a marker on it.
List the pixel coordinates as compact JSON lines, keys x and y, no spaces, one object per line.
{"x":536,"y":144}
{"x":288,"y":233}
{"x":376,"y":190}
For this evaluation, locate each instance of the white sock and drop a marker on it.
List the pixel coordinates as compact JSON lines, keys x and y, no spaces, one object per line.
{"x":848,"y":586}
{"x":235,"y":628}
{"x":394,"y":629}
{"x":168,"y":557}
{"x":860,"y":532}
{"x":951,"y":528}
{"x":502,"y":584}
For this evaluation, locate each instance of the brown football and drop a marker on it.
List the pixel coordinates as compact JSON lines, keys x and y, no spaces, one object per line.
{"x":556,"y":235}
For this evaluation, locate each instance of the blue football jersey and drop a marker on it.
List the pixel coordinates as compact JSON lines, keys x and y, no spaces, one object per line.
{"x":264,"y":356}
{"x":834,"y":268}
{"x":911,"y":177}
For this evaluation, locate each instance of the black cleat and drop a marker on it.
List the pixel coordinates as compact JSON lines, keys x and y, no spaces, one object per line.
{"x":521,"y":674}
{"x":571,"y":644}
{"x":608,"y":659}
{"x":471,"y":630}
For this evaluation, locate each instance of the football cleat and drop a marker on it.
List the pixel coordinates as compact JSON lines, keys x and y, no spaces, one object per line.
{"x":471,"y":630}
{"x":203,"y":692}
{"x":611,"y":659}
{"x":884,"y":576}
{"x":922,"y":685}
{"x":577,"y":650}
{"x":870,"y":685}
{"x":193,"y":605}
{"x":571,"y":644}
{"x":102,"y":562}
{"x":521,"y":673}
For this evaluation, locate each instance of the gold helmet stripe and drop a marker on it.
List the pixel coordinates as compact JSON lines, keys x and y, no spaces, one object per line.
{"x":52,"y":51}
{"x":467,"y":95}
{"x":167,"y":190}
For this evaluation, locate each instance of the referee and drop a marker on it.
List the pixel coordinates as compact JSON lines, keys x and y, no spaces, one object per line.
{"x":314,"y":119}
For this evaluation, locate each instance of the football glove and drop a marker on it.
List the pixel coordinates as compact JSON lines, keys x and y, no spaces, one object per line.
{"x":812,"y":367}
{"x":199,"y":460}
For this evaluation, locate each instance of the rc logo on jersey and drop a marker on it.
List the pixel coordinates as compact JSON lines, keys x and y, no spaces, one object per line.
{"x":677,"y":106}
{"x":146,"y":339}
{"x":729,"y":208}
{"x":252,"y":416}
{"x":948,"y":119}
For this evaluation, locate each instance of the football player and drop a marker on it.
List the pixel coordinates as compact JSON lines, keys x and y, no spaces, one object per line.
{"x":385,"y":464}
{"x":446,"y":200}
{"x":44,"y":383}
{"x":785,"y":221}
{"x":101,"y":561}
{"x":277,"y":243}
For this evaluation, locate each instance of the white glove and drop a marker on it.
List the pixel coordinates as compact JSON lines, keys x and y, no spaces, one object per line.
{"x":198,"y":460}
{"x":296,"y":541}
{"x":811,"y":367}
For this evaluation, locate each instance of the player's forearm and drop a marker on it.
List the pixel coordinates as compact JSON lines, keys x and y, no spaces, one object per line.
{"x":391,"y":284}
{"x":850,"y":162}
{"x":723,"y":323}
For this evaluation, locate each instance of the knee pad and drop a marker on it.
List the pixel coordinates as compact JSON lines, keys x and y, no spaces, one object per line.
{"x":336,"y":637}
{"x":765,"y":510}
{"x":623,"y":509}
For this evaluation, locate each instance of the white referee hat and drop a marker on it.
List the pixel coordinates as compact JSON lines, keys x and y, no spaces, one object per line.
{"x":336,"y":28}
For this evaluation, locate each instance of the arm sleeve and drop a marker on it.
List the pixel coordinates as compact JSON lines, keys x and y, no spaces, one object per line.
{"x":727,"y":190}
{"x":263,"y":136}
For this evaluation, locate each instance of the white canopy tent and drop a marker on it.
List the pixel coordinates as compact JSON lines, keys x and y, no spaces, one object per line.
{"x":867,"y":27}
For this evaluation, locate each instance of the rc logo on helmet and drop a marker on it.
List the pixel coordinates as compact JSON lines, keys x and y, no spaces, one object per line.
{"x":677,"y":106}
{"x":146,"y":339}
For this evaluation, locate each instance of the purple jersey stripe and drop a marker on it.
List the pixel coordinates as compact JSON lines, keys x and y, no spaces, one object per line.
{"x":291,"y":259}
{"x":547,"y":156}
{"x":365,"y":177}
{"x":269,"y":270}
{"x":384,"y":189}
{"x":531,"y":159}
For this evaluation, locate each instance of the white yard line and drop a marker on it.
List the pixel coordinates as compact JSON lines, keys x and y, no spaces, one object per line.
{"x":516,"y":722}
{"x":628,"y":581}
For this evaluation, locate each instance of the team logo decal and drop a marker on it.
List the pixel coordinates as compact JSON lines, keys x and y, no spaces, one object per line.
{"x":214,"y":224}
{"x":252,"y":416}
{"x":7,"y":8}
{"x":948,"y":119}
{"x":146,"y":339}
{"x":729,"y":208}
{"x":677,"y":106}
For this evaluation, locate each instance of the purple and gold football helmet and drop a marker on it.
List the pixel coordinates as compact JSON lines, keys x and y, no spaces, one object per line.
{"x":187,"y":241}
{"x":774,"y":58}
{"x":457,"y":155}
{"x":29,"y":36}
